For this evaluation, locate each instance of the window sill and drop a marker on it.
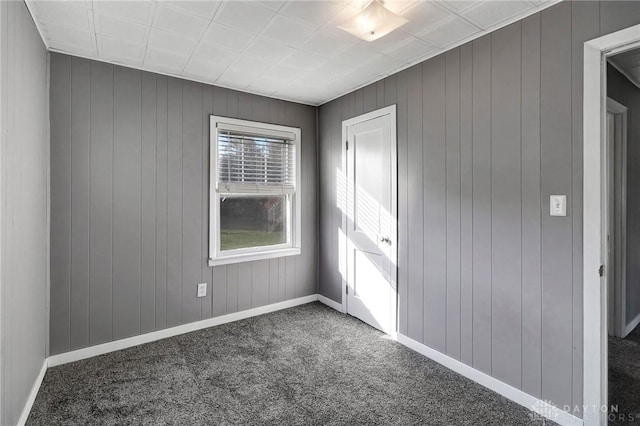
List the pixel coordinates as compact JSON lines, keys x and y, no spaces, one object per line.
{"x":250,"y":257}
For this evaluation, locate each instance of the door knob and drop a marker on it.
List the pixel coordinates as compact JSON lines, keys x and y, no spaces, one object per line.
{"x":385,"y":240}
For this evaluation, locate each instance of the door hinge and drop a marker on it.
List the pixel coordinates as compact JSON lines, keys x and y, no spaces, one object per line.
{"x":347,"y":289}
{"x":347,"y":144}
{"x":601,"y":270}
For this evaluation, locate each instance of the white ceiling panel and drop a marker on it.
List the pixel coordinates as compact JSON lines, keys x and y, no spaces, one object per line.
{"x":332,"y":73}
{"x":272,"y":4}
{"x":460,"y":5}
{"x":449,"y":32}
{"x":228,"y":37}
{"x":383,"y":62}
{"x":355,"y":57}
{"x":268,"y":51}
{"x":390,"y":41}
{"x":168,"y":61}
{"x":423,"y":15}
{"x":183,"y":23}
{"x":304,"y":60}
{"x":122,"y":29}
{"x":70,"y":14}
{"x":313,"y":12}
{"x":268,"y":86}
{"x":207,"y":52}
{"x":205,"y":69}
{"x":290,"y":49}
{"x":119,"y":50}
{"x":282,"y":72}
{"x":164,"y":40}
{"x":205,"y":9}
{"x":490,"y":13}
{"x":79,"y":51}
{"x":239,"y":77}
{"x":139,"y":10}
{"x":329,"y":42}
{"x":248,"y":64}
{"x":288,"y":31}
{"x":407,"y":51}
{"x":397,"y":6}
{"x":70,"y":37}
{"x":245,"y":16}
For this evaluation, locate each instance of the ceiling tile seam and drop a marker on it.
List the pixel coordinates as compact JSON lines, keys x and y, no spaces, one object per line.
{"x":199,"y":41}
{"x":535,"y":6}
{"x":450,"y":8}
{"x":150,"y":20}
{"x":251,"y":43}
{"x":456,"y":13}
{"x":460,"y":15}
{"x":112,"y":15}
{"x":95,"y":32}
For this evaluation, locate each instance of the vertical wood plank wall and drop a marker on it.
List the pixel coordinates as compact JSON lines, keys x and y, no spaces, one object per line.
{"x":486,"y":132}
{"x":24,"y":183}
{"x":130,"y":182}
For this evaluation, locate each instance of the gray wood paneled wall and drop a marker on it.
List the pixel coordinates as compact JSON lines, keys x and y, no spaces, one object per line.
{"x":486,"y":132}
{"x":622,"y":90}
{"x":129,"y":216}
{"x":24,"y":175}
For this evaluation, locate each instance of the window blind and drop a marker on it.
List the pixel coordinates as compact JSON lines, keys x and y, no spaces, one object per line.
{"x":250,"y":163}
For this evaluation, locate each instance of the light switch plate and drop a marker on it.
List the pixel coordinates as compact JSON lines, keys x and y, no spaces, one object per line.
{"x":558,"y":205}
{"x":202,"y":290}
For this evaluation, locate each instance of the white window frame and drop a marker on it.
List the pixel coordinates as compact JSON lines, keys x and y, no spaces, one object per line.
{"x":294,"y":228}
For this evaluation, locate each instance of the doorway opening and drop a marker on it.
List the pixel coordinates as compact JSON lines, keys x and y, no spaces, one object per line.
{"x":605,"y":229}
{"x":623,"y":277}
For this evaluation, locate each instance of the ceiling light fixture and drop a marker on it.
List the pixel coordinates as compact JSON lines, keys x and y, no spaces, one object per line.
{"x":373,"y":22}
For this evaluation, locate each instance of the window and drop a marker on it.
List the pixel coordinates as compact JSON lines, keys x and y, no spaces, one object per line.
{"x":255,"y":191}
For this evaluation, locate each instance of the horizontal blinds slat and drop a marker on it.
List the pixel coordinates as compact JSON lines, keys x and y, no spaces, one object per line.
{"x":254,"y":162}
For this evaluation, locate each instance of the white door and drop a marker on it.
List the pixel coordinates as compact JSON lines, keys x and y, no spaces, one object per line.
{"x":370,"y":220}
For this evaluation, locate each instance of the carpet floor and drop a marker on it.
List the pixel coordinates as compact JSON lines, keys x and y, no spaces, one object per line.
{"x":304,"y":365}
{"x":624,"y":378}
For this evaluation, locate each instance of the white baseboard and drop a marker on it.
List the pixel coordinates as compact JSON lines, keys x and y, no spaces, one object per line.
{"x":32,"y":395}
{"x":542,"y":408}
{"x":331,"y":303}
{"x":117,"y":345}
{"x":632,"y":325}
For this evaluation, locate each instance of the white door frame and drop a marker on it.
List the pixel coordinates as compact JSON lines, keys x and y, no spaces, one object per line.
{"x":595,"y":288}
{"x":390,"y":110}
{"x":619,"y":221}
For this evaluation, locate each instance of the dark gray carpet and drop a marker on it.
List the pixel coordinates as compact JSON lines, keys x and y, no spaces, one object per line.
{"x":634,"y":336}
{"x":624,"y":378}
{"x":305,"y":365}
